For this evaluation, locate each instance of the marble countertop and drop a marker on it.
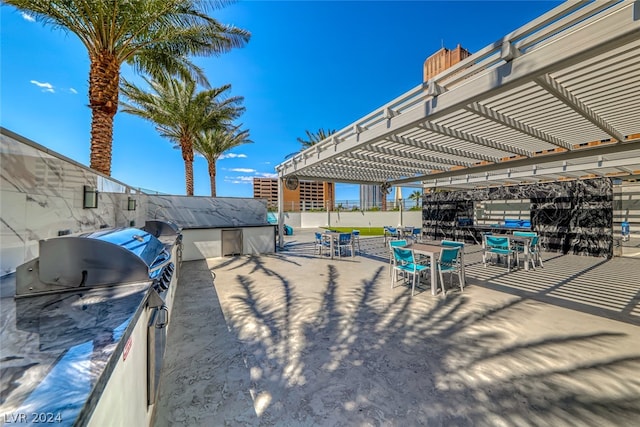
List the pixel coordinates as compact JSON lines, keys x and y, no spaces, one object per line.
{"x":57,"y":351}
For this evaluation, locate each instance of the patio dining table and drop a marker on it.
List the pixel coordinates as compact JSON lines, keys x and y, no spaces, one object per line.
{"x":432,"y":251}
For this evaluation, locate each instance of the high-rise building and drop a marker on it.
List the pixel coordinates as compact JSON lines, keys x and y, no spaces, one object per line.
{"x":309,"y":195}
{"x":443,"y":59}
{"x":370,"y":196}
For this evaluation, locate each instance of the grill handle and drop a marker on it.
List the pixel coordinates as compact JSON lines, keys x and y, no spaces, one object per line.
{"x":163,"y":317}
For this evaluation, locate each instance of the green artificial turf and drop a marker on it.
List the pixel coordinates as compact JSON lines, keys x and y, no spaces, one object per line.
{"x":364,"y":231}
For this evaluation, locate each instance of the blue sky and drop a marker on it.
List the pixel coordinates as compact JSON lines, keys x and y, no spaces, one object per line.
{"x":309,"y":65}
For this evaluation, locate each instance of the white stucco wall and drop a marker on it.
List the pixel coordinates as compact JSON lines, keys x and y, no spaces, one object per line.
{"x":353,"y":219}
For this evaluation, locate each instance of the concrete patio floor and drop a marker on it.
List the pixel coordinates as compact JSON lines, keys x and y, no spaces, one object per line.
{"x":295,"y":339}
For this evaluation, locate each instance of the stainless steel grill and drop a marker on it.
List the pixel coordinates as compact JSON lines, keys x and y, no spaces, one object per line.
{"x":107,"y":257}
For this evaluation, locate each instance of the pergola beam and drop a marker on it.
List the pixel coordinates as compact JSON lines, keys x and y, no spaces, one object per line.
{"x":423,"y":160}
{"x":570,"y":100}
{"x":440,"y":148}
{"x":367,"y":166}
{"x":474,"y":139}
{"x":495,"y":116}
{"x":601,"y":150}
{"x":574,"y":170}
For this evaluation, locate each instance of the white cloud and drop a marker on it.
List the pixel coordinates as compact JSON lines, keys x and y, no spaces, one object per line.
{"x":232,"y":156}
{"x":268,"y":174}
{"x":239,"y":179}
{"x":46,"y":87}
{"x":27,"y":17}
{"x":243,"y":170}
{"x":72,"y":90}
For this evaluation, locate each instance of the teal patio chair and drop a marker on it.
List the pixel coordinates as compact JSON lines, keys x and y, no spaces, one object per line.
{"x":534,"y":247}
{"x":455,"y":244}
{"x":405,"y":262}
{"x":497,"y":245}
{"x":449,"y":262}
{"x":395,"y":244}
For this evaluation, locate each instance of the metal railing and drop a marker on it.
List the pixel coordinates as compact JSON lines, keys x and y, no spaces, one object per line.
{"x":344,"y":206}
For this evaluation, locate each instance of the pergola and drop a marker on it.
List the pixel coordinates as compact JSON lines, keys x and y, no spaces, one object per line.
{"x":558,"y":98}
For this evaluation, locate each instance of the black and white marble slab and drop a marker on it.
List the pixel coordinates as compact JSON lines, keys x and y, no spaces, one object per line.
{"x":570,"y":216}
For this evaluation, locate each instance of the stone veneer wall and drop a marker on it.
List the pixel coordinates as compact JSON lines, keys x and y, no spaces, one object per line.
{"x":570,"y":216}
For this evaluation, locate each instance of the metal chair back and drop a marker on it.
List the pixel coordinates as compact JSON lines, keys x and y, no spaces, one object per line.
{"x":496,"y":242}
{"x":403,"y":255}
{"x":449,"y":256}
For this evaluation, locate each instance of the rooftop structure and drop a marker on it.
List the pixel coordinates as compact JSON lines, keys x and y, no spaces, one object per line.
{"x":550,"y":100}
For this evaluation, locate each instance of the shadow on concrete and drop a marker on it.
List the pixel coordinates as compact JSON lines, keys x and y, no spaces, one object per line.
{"x":351,"y":355}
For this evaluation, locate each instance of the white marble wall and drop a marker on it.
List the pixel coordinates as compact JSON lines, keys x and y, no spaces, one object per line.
{"x":41,"y":194}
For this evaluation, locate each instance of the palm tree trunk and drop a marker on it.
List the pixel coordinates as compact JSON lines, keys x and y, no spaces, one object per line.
{"x":187,"y":155}
{"x":104,"y":78}
{"x":212,"y":177}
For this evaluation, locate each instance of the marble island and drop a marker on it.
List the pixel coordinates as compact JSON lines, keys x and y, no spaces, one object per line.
{"x":58,"y":352}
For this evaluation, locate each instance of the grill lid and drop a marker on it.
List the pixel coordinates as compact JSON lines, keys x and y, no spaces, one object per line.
{"x":100,"y":258}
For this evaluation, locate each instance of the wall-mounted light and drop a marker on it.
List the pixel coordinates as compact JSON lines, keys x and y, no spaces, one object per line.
{"x":90,"y":197}
{"x":131,"y":204}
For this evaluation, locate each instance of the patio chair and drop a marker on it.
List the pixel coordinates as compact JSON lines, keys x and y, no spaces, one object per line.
{"x":449,"y":262}
{"x":390,"y":232}
{"x":534,"y":247}
{"x":496,"y":245}
{"x":454,"y":244}
{"x":396,"y":244}
{"x":416,"y":234}
{"x":405,"y":263}
{"x":345,"y":241}
{"x":356,"y":238}
{"x":321,"y":245}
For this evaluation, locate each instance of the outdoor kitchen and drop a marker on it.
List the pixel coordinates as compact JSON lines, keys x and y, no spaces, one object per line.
{"x":90,"y":267}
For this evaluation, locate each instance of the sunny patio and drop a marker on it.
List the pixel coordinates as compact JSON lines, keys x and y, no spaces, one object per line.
{"x":295,"y":339}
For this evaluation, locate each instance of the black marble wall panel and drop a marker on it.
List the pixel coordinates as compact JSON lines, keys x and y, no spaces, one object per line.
{"x":570,"y":216}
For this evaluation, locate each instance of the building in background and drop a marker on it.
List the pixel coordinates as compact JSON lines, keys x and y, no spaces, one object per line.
{"x":443,"y":59}
{"x":308,"y":195}
{"x":370,"y":197}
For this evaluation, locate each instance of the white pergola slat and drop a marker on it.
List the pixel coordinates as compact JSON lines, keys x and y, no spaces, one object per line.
{"x":558,"y":98}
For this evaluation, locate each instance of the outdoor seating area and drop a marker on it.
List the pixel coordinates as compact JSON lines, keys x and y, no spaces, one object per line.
{"x":278,"y":348}
{"x":402,"y":232}
{"x":332,"y":243}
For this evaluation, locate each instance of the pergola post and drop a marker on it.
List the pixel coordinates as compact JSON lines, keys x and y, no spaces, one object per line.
{"x":280,"y":213}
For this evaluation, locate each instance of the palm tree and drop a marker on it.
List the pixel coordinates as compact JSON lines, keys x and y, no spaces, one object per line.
{"x":314,"y":137}
{"x":416,"y":195}
{"x":180,"y":113}
{"x":214,"y":142}
{"x":150,"y":35}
